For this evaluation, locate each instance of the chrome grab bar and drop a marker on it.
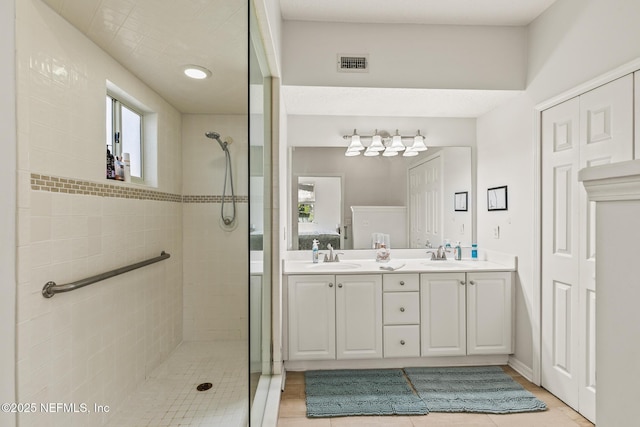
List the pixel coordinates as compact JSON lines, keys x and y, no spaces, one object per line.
{"x":50,"y":289}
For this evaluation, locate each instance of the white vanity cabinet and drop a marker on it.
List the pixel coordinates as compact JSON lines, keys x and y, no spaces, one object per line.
{"x":401,"y":315}
{"x":359,"y":316}
{"x":489,"y":313}
{"x":334,"y":317}
{"x":312,"y":317}
{"x":466,"y":313}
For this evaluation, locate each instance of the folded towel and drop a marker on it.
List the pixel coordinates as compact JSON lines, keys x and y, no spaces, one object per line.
{"x":392,"y":266}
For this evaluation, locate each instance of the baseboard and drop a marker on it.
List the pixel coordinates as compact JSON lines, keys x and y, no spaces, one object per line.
{"x":521,"y":368}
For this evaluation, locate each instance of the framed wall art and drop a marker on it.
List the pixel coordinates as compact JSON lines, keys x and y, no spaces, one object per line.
{"x":460,"y":201}
{"x":497,"y":198}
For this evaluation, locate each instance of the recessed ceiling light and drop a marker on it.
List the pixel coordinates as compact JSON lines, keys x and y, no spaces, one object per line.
{"x":196,"y":72}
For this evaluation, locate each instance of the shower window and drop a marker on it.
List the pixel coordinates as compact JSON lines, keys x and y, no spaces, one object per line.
{"x":124,"y":133}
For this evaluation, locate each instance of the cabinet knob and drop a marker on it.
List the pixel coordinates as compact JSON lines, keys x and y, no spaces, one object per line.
{"x":401,"y":282}
{"x":402,"y":309}
{"x":401,"y":342}
{"x":472,"y":282}
{"x":331,"y":285}
{"x":339,"y":285}
{"x":462,"y":282}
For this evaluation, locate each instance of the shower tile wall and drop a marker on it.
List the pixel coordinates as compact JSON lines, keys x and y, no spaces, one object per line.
{"x":96,"y":344}
{"x":215,"y":261}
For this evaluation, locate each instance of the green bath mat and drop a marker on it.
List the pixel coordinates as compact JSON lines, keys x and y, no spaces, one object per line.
{"x":360,"y":392}
{"x":484,"y":389}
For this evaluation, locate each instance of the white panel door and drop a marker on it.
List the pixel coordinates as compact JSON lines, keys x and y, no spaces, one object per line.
{"x":592,"y":130}
{"x":489,"y":313}
{"x":311,"y":324}
{"x":425,"y":200}
{"x":359,"y":316}
{"x":606,"y":136}
{"x":443,"y":314}
{"x":560,"y":250}
{"x":416,"y":209}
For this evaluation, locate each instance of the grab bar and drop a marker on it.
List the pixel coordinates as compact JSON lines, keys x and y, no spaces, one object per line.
{"x":50,"y":289}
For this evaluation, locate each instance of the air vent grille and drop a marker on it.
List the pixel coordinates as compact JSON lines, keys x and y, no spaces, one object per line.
{"x":353,"y":63}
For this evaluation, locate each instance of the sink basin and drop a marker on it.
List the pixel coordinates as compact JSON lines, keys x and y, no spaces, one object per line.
{"x":331,"y":266}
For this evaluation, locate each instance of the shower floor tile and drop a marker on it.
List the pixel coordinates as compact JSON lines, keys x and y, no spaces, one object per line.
{"x":169,"y":397}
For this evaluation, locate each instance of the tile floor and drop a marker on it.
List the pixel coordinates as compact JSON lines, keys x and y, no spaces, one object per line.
{"x":169,"y":397}
{"x":293,"y":410}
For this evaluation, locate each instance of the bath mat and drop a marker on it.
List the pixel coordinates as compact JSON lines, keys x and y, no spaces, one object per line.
{"x":360,"y":392}
{"x":485,"y":389}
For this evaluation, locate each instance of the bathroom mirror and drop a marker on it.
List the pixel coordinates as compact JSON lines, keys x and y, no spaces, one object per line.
{"x":382,"y":181}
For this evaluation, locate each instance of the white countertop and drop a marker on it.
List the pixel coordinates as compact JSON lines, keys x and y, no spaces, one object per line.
{"x":410,"y":265}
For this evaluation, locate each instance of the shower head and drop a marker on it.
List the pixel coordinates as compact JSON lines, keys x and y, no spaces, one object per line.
{"x":216,"y":136}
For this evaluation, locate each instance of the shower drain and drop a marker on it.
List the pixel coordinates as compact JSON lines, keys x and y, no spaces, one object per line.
{"x":204,"y":386}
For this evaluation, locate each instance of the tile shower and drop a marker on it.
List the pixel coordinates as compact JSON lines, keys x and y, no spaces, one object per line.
{"x":98,"y":345}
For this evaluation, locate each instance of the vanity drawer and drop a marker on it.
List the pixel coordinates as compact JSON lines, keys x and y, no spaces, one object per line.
{"x":402,"y":341}
{"x":400,"y":282}
{"x":401,"y":308}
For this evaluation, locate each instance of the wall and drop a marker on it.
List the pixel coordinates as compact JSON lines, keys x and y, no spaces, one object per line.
{"x":431,"y":56}
{"x":96,"y":344}
{"x":505,"y":157}
{"x":215,"y":260}
{"x":8,"y":213}
{"x":457,"y":225}
{"x":572,"y":42}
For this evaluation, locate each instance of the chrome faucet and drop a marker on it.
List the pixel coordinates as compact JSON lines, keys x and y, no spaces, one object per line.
{"x":331,"y":257}
{"x":439,"y":254}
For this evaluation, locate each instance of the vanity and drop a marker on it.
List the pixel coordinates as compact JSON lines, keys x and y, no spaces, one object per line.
{"x":353,"y":314}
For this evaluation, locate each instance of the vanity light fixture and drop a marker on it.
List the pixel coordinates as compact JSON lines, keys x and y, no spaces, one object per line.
{"x":196,"y":72}
{"x":383,"y":142}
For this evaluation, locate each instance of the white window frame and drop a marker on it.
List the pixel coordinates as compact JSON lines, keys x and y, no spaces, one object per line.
{"x":116,"y":131}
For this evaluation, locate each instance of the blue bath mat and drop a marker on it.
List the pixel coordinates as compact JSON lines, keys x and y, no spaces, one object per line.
{"x":485,"y":389}
{"x":360,"y":392}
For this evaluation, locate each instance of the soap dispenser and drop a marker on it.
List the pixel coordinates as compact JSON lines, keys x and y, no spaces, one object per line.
{"x":457,"y":252}
{"x":314,"y":251}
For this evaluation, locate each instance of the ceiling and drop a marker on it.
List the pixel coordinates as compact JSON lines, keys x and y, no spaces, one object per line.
{"x":155,"y":39}
{"x":439,"y":12}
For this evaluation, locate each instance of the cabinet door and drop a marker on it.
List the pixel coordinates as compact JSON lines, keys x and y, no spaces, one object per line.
{"x":359,"y":316}
{"x":489,"y":313}
{"x":311,"y":308}
{"x":443,"y":314}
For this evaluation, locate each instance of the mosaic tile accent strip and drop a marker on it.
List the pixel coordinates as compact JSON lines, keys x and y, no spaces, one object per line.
{"x":56,"y":184}
{"x":212,"y":199}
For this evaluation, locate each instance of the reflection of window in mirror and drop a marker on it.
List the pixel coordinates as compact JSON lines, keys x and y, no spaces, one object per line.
{"x":305,"y":212}
{"x":306,"y":199}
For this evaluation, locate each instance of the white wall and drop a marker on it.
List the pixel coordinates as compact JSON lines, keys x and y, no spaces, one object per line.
{"x":572,"y":42}
{"x":405,"y":56}
{"x":327,"y":131}
{"x":96,"y":344}
{"x":457,"y":177}
{"x":215,"y":260}
{"x":505,"y":157}
{"x":8,"y":213}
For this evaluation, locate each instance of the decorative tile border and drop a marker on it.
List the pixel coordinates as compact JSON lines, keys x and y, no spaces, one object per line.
{"x":73,"y":186}
{"x":213,"y":199}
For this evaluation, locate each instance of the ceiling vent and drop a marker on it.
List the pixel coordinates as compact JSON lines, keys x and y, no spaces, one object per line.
{"x":353,"y":63}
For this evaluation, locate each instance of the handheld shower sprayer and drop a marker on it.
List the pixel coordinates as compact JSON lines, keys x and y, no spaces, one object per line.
{"x":216,"y":136}
{"x":227,"y":220}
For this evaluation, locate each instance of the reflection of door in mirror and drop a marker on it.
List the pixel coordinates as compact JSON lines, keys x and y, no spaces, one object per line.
{"x":319,"y":207}
{"x":425,"y":203}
